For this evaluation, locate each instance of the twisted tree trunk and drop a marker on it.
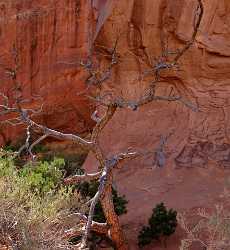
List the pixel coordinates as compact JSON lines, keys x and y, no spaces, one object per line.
{"x":115,"y":230}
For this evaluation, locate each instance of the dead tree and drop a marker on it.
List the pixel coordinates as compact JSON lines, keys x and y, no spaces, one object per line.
{"x":106,"y":165}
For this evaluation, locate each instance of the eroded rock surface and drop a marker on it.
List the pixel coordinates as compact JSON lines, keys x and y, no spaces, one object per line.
{"x":43,"y":43}
{"x":197,"y":147}
{"x":50,"y":46}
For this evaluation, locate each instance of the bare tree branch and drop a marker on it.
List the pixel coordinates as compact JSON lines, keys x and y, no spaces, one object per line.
{"x":84,"y":177}
{"x":53,"y":133}
{"x":109,"y":166}
{"x":106,"y":165}
{"x":43,"y":137}
{"x":100,"y":228}
{"x":145,"y":99}
{"x":103,"y":121}
{"x":27,"y":143}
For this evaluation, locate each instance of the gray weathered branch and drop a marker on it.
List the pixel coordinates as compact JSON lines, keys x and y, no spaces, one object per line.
{"x":84,"y":177}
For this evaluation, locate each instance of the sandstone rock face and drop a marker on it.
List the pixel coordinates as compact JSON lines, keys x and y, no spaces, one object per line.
{"x":45,"y":42}
{"x":196,"y":149}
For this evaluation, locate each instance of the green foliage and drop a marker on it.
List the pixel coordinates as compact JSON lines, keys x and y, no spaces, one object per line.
{"x":44,"y":177}
{"x":34,"y":203}
{"x":14,"y":146}
{"x":35,"y":187}
{"x":89,"y":189}
{"x":40,"y":148}
{"x":72,"y":161}
{"x":162,"y":224}
{"x":35,"y":200}
{"x":9,"y":146}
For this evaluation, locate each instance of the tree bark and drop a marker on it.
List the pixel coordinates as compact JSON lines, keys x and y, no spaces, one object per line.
{"x":115,"y":231}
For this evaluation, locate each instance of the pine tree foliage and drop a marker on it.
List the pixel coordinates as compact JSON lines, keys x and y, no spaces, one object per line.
{"x":162,"y":224}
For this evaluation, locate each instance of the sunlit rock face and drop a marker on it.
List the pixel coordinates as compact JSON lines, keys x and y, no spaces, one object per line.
{"x":45,"y":41}
{"x":197,"y":146}
{"x":52,"y":38}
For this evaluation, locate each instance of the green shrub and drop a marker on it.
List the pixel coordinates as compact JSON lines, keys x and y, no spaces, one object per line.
{"x":34,"y":205}
{"x":73,"y":162}
{"x":37,"y":205}
{"x":40,"y":148}
{"x":10,"y":146}
{"x":162,"y":224}
{"x":35,"y":188}
{"x":44,"y":177}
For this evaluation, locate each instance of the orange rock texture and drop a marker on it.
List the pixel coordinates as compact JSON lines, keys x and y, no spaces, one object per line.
{"x":44,"y":42}
{"x":57,"y":42}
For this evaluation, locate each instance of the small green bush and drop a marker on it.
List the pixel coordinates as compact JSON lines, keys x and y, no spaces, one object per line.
{"x":44,"y":177}
{"x":162,"y":224}
{"x":73,"y":162}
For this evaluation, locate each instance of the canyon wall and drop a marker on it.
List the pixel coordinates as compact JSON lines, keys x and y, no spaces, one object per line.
{"x":62,"y":46}
{"x":43,"y":43}
{"x":196,"y":149}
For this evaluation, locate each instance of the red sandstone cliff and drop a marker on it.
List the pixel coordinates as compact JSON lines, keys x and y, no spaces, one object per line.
{"x":52,"y":37}
{"x":46,"y":41}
